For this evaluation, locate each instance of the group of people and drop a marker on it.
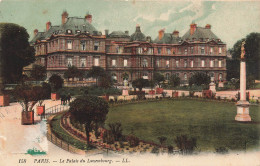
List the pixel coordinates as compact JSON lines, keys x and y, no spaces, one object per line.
{"x":65,"y":99}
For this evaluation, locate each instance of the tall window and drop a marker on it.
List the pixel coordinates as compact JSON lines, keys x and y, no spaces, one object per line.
{"x":150,"y":50}
{"x":96,"y":61}
{"x":159,"y":50}
{"x":113,"y":62}
{"x":69,"y":44}
{"x":168,"y":51}
{"x":167,"y":63}
{"x":96,"y":45}
{"x":186,"y":51}
{"x":145,"y":63}
{"x":157,"y":62}
{"x":191,"y":63}
{"x":69,"y":62}
{"x":220,"y":63}
{"x":211,"y":63}
{"x":125,"y":62}
{"x":83,"y":45}
{"x":220,"y":50}
{"x":202,"y":50}
{"x":192,"y":50}
{"x":185,"y":63}
{"x":177,"y":63}
{"x":211,"y":50}
{"x":82,"y":62}
{"x":202,"y":63}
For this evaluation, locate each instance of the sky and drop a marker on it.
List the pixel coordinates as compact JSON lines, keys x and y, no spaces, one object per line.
{"x":230,"y":20}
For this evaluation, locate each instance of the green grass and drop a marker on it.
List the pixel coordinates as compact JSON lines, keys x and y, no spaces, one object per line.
{"x":64,"y":135}
{"x":210,"y":122}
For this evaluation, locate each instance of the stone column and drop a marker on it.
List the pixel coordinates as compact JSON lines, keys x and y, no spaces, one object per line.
{"x":243,"y":104}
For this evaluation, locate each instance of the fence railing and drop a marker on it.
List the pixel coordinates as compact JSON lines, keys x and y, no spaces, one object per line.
{"x":54,"y":110}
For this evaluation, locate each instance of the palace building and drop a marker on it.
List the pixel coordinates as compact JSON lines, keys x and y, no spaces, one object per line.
{"x":76,"y":42}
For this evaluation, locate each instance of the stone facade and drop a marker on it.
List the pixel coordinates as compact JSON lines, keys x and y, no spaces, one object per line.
{"x":76,"y":42}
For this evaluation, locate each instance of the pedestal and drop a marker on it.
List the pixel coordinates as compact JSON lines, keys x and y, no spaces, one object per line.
{"x":4,"y":100}
{"x":243,"y":111}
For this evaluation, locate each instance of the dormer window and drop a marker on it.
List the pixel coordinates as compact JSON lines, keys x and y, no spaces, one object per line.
{"x":77,"y":31}
{"x":69,"y":31}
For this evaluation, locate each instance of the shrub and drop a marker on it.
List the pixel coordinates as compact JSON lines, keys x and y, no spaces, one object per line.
{"x":218,"y":98}
{"x":185,"y":145}
{"x":170,"y":149}
{"x":156,"y":97}
{"x":108,"y":137}
{"x":221,"y":150}
{"x":191,"y":93}
{"x":155,"y":150}
{"x":182,"y":94}
{"x":133,"y":140}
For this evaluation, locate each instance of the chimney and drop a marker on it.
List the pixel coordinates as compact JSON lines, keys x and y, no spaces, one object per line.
{"x":106,"y":32}
{"x":88,"y":17}
{"x":161,"y":34}
{"x":208,"y":26}
{"x":138,"y":29}
{"x":176,"y":34}
{"x":127,"y":32}
{"x":193,"y":27}
{"x":48,"y":25}
{"x":64,"y":17}
{"x":35,"y":32}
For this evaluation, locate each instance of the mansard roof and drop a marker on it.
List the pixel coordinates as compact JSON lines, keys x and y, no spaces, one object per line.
{"x":73,"y":23}
{"x":118,"y":34}
{"x":38,"y":36}
{"x":200,"y":33}
{"x":168,"y":38}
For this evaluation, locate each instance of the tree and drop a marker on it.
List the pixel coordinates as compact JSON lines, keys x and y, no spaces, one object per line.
{"x":199,"y":78}
{"x":89,"y":110}
{"x":116,"y":130}
{"x":125,"y":76}
{"x":28,"y":95}
{"x":140,"y":83}
{"x":158,"y":78}
{"x":96,"y":72}
{"x":56,"y":82}
{"x":106,"y":81}
{"x":38,"y":72}
{"x":175,"y":80}
{"x":16,"y":51}
{"x":73,"y":72}
{"x":252,"y":57}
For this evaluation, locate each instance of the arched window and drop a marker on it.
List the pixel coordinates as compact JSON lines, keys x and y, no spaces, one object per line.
{"x":220,"y":76}
{"x":185,"y":76}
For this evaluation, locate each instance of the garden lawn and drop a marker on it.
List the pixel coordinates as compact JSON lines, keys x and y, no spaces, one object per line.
{"x":64,"y":135}
{"x":210,"y":122}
